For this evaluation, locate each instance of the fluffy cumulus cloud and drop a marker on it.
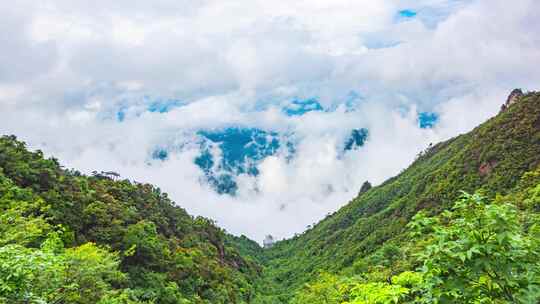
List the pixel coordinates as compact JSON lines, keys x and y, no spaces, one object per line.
{"x":262,"y":115}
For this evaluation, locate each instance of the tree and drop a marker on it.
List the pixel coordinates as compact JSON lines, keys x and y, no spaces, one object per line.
{"x":52,"y":274}
{"x":328,"y":289}
{"x":93,"y":270}
{"x":29,"y":275}
{"x":150,"y":249}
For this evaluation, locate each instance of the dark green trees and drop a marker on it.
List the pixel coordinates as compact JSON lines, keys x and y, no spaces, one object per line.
{"x":117,"y":241}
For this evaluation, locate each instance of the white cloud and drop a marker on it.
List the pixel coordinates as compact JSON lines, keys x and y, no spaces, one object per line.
{"x":68,"y":67}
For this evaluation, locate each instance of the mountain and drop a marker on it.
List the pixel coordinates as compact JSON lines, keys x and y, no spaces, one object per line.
{"x":460,"y":225}
{"x":70,"y":238}
{"x":226,"y":153}
{"x":491,"y":159}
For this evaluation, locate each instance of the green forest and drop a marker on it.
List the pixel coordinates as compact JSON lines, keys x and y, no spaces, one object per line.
{"x":460,"y":225}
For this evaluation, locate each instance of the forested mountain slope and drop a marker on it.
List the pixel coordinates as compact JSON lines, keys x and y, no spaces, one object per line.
{"x":491,"y":159}
{"x":70,"y":238}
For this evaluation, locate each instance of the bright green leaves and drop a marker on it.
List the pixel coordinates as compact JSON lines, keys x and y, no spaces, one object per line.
{"x":330,"y":289}
{"x":30,"y":275}
{"x":477,"y":252}
{"x":533,"y":201}
{"x":93,"y":270}
{"x":18,"y":220}
{"x":53,"y":274}
{"x":377,"y":293}
{"x":149,"y":248}
{"x":408,"y":279}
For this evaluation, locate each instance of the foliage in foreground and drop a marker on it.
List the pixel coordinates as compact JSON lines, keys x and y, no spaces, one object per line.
{"x":477,"y":252}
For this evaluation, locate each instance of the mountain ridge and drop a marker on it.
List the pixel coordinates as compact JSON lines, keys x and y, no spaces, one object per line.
{"x":490,"y":158}
{"x":156,"y":250}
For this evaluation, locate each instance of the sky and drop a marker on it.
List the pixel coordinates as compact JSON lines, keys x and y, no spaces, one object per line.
{"x":134,"y":86}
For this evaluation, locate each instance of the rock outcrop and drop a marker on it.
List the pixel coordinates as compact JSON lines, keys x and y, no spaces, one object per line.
{"x":514,"y":96}
{"x":268,"y":241}
{"x":486,"y":168}
{"x":365,"y":187}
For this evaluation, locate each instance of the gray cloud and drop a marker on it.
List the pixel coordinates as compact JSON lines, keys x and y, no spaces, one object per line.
{"x":22,"y":58}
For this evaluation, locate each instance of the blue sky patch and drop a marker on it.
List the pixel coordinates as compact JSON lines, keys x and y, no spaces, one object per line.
{"x":356,"y":139}
{"x":120,"y":115}
{"x":164,"y":106}
{"x":160,"y":154}
{"x":242,"y":149}
{"x":300,"y":107}
{"x":427,"y":120}
{"x":406,"y":13}
{"x":153,"y":105}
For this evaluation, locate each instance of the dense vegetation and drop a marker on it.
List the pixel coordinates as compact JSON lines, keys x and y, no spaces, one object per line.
{"x":476,"y":252}
{"x":460,"y":225}
{"x":70,"y":238}
{"x":369,"y":236}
